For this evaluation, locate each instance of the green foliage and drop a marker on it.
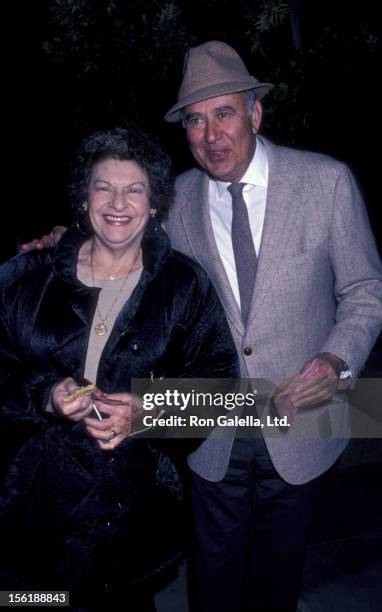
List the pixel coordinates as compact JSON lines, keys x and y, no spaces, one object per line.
{"x":114,"y":55}
{"x":123,"y":59}
{"x":271,"y":15}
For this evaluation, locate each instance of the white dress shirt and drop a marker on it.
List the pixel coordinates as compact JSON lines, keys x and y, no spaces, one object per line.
{"x":255,"y":194}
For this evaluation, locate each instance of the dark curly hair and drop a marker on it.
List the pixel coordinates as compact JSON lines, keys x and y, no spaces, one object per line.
{"x":130,"y":144}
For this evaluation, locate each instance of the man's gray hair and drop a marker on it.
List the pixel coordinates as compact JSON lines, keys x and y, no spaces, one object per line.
{"x":251,"y":99}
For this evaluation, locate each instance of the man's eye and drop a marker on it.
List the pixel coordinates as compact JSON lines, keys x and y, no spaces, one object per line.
{"x":194,"y":121}
{"x":224,"y":114}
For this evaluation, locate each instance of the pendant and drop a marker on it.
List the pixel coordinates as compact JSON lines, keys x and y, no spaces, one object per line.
{"x":100,"y":329}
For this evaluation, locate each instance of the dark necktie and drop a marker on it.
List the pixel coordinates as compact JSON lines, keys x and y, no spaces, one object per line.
{"x":243,"y":248}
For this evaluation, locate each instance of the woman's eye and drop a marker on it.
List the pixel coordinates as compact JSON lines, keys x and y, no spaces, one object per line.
{"x":101,"y":188}
{"x":135,"y":190}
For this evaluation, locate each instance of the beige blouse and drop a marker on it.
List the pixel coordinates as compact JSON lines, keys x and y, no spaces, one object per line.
{"x":108,"y":293}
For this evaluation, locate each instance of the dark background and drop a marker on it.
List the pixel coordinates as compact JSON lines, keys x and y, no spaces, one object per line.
{"x":76,"y":66}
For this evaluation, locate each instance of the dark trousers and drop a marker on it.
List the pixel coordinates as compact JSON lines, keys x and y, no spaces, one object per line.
{"x":251,"y":535}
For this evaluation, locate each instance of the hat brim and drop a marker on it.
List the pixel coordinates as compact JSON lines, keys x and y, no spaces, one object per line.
{"x":213,"y":91}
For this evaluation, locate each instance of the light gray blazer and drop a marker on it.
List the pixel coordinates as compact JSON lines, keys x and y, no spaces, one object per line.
{"x":318,"y":288}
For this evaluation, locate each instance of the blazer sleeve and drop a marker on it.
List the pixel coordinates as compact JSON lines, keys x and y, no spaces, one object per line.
{"x":358,"y":276}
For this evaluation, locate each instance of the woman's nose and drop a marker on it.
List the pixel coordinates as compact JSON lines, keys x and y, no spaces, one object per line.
{"x":119,"y":201}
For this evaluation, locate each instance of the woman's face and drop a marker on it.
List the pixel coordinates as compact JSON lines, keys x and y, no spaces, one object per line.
{"x":119,"y":202}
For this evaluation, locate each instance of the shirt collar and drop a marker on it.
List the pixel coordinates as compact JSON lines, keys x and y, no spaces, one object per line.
{"x":256,"y":173}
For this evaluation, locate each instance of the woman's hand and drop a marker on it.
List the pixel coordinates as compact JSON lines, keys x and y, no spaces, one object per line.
{"x":75,"y":410}
{"x":118,"y":411}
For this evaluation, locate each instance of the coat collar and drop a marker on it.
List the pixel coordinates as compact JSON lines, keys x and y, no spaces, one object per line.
{"x":81,"y":303}
{"x":283,"y":200}
{"x":196,"y":219}
{"x":155,"y":250}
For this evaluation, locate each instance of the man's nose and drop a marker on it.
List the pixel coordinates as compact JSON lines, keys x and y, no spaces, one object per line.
{"x":212,"y":130}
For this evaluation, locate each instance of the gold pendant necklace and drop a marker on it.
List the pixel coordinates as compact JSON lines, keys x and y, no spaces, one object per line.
{"x":101,"y":327}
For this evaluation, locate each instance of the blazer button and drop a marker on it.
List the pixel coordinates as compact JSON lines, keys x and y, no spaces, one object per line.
{"x":135,"y":346}
{"x":247,"y":351}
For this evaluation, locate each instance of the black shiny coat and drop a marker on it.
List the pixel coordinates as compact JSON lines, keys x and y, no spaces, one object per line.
{"x":100,"y":520}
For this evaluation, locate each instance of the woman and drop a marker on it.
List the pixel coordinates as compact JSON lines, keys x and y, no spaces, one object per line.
{"x":112,"y":302}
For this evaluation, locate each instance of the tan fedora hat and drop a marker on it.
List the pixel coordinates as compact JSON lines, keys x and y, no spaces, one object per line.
{"x":213,"y":69}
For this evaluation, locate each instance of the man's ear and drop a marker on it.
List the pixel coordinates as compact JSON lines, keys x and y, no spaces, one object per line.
{"x":256,"y":116}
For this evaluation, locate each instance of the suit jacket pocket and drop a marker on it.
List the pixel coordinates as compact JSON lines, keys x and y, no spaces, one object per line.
{"x":299,"y":255}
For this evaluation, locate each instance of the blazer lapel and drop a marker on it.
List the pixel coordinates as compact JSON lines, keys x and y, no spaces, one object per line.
{"x":282,"y":202}
{"x":197,"y":227}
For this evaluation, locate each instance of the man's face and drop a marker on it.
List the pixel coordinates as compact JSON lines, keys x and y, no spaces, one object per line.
{"x":221,"y":134}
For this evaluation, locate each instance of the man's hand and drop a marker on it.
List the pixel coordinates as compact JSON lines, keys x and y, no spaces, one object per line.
{"x":318,"y":381}
{"x":46,"y":240}
{"x":120,"y":411}
{"x":75,"y":410}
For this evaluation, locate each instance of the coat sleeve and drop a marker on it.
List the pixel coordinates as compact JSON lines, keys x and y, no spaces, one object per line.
{"x":23,"y":398}
{"x":358,"y":276}
{"x":24,"y":393}
{"x":24,"y":390}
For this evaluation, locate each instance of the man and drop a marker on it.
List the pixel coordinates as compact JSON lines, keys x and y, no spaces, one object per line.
{"x":285,"y":238}
{"x":315,"y":305}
